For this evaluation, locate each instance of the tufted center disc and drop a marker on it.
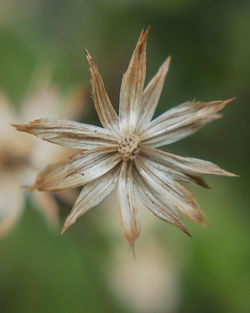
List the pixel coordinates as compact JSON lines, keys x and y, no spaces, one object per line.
{"x":128,"y":147}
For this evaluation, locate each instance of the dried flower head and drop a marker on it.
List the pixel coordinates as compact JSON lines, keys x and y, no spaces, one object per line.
{"x":123,"y":153}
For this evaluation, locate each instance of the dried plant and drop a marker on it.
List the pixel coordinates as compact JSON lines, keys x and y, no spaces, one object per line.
{"x":123,"y":153}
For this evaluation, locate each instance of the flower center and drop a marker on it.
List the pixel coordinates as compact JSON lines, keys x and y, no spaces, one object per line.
{"x":128,"y":147}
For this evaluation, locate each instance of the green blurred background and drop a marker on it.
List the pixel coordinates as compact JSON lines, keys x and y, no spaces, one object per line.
{"x":89,"y":269}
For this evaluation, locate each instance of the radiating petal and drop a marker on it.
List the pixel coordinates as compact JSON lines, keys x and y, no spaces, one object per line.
{"x":91,"y":195}
{"x":188,"y":166}
{"x":77,"y":170}
{"x":154,"y":201}
{"x":169,"y":137}
{"x":103,"y":106}
{"x":129,"y":219}
{"x":68,"y":133}
{"x":175,"y":193}
{"x":173,"y":173}
{"x":151,"y":95}
{"x":132,"y":87}
{"x":181,"y":121}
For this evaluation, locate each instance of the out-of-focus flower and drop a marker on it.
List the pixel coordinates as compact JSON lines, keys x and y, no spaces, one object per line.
{"x":22,"y":157}
{"x":124,"y":153}
{"x":149,"y":284}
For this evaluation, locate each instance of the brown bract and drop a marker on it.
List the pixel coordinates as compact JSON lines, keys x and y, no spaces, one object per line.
{"x":124,"y":155}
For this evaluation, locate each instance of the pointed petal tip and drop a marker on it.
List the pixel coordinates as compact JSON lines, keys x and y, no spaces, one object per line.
{"x":131,"y":249}
{"x":86,"y":52}
{"x":221,"y":104}
{"x":65,"y":227}
{"x":26,"y":187}
{"x":147,"y":32}
{"x":232,"y":174}
{"x":200,"y":218}
{"x":90,"y":60}
{"x":143,"y":36}
{"x":188,"y":233}
{"x":165,"y":65}
{"x":229,"y":100}
{"x":20,"y":127}
{"x":39,"y":186}
{"x":27,"y":128}
{"x":204,"y":223}
{"x":224,"y":102}
{"x":168,"y":60}
{"x":70,"y":220}
{"x":184,"y":229}
{"x":226,"y":173}
{"x":31,"y":188}
{"x":131,"y":242}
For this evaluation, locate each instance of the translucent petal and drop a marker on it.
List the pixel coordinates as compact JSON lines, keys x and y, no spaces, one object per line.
{"x":68,"y":133}
{"x":132,"y":87}
{"x":129,"y":219}
{"x":77,"y":170}
{"x":103,"y":106}
{"x":91,"y":195}
{"x":151,"y":95}
{"x":180,"y":122}
{"x":173,"y":173}
{"x":173,"y":192}
{"x":189,"y":166}
{"x":154,"y":201}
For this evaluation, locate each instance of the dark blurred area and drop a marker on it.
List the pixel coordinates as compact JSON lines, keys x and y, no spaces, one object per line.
{"x":89,"y":269}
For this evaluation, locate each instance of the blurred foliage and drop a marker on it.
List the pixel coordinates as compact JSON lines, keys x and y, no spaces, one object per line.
{"x":209,"y":44}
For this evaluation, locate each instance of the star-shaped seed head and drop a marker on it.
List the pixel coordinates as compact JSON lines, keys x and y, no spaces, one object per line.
{"x":124,"y":155}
